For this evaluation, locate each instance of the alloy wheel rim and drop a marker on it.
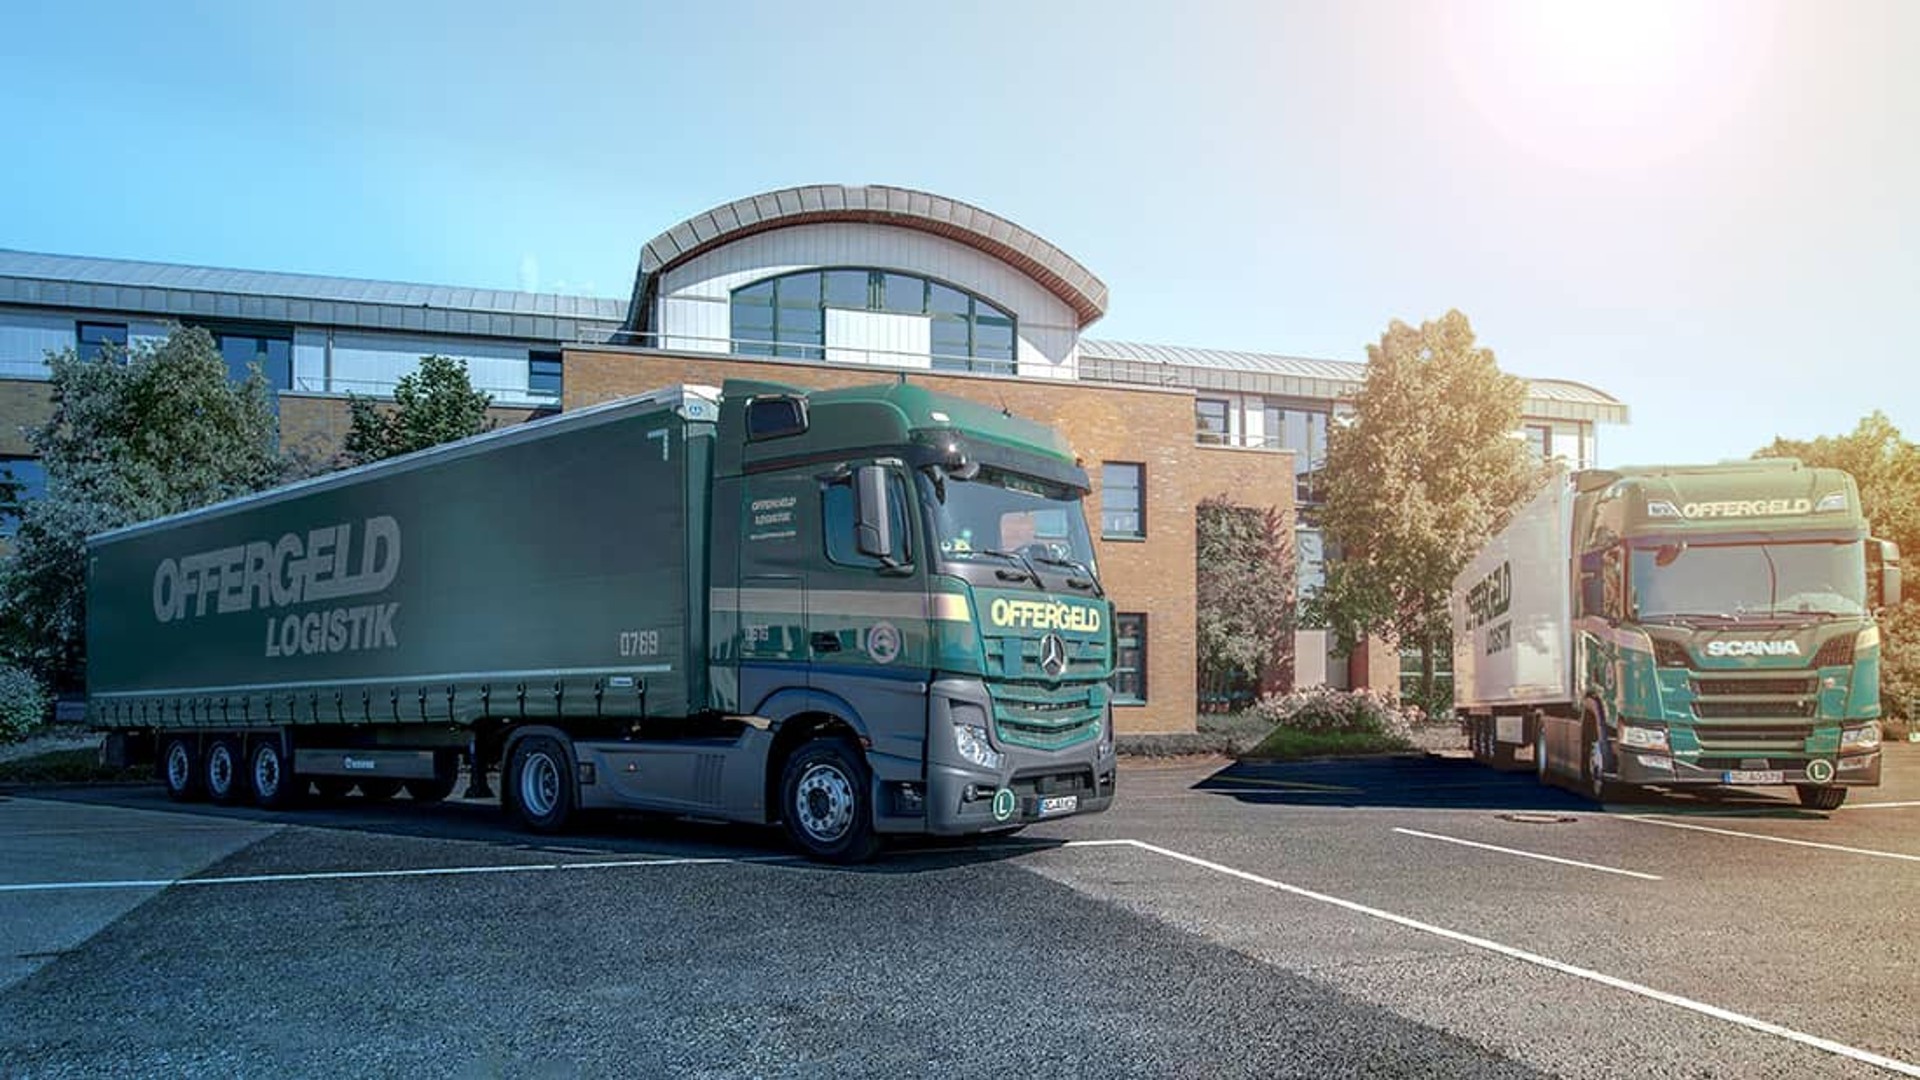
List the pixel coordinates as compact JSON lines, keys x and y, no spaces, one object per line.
{"x":823,"y":803}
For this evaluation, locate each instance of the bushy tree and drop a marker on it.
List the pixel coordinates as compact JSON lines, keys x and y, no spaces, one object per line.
{"x":1245,"y":599}
{"x":1887,"y":468}
{"x":1426,"y":470}
{"x":435,"y":403}
{"x":133,"y":435}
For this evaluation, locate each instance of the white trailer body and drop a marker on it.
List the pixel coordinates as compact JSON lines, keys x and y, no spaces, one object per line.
{"x":1512,"y":616}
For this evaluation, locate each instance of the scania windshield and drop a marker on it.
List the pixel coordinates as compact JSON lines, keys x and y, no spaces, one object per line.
{"x":1012,"y":520}
{"x":1759,"y":580}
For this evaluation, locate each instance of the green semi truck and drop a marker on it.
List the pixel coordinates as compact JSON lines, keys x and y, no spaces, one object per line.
{"x":1676,"y":626}
{"x":857,"y":612}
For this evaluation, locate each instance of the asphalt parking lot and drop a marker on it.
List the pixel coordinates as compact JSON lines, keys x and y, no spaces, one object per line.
{"x":1386,"y":917}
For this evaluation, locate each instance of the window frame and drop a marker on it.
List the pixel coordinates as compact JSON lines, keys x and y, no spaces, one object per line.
{"x":1140,"y":498}
{"x":1545,"y":452}
{"x":12,"y":513}
{"x":80,"y":342}
{"x":1139,"y":671}
{"x":1200,"y":432}
{"x":978,"y":307}
{"x":535,"y":359}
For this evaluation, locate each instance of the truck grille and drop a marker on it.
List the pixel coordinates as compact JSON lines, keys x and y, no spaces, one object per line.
{"x":1743,"y":710}
{"x":1711,"y":687}
{"x":1756,"y":740}
{"x":1041,"y":717}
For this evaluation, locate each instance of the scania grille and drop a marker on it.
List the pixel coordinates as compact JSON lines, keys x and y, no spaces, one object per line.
{"x":1040,"y":717}
{"x":1753,"y":710}
{"x":1796,"y":686}
{"x":1753,"y":740}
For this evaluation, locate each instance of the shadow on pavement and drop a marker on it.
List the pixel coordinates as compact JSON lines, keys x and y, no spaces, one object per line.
{"x":1434,"y":782}
{"x":595,"y":836}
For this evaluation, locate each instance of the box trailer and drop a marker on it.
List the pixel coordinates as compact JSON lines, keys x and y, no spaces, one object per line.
{"x":857,"y":612}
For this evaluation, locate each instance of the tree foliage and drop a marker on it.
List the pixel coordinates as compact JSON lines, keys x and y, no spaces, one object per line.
{"x":436,"y":403}
{"x":133,"y":436}
{"x":1887,"y":468}
{"x":1245,"y":599}
{"x":1425,"y":471}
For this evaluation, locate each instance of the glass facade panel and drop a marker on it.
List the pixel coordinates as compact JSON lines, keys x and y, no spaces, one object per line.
{"x":1129,"y":682}
{"x":543,"y":372}
{"x":274,"y":355}
{"x":1210,"y":420}
{"x":786,"y":316}
{"x":946,"y":300}
{"x":29,"y":476}
{"x":94,"y":337}
{"x":1123,"y":504}
{"x":851,"y":289}
{"x":903,"y":295}
{"x":752,"y":320}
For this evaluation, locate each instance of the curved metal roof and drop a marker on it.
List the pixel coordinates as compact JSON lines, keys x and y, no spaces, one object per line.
{"x":1232,"y":370}
{"x":1073,"y":283}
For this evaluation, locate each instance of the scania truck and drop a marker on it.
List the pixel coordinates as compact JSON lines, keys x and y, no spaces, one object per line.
{"x":1680,"y":625}
{"x":856,"y":612}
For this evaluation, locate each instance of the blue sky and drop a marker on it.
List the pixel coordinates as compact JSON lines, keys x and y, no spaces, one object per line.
{"x":1706,"y":209}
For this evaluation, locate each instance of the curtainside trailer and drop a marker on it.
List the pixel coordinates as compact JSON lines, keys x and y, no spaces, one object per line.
{"x":856,"y":612}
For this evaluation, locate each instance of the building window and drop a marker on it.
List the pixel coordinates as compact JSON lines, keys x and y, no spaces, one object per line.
{"x":1123,"y":500}
{"x":1129,"y":683}
{"x":94,"y":337}
{"x":1540,"y":441}
{"x":1303,"y":431}
{"x":272,"y":350}
{"x":26,"y":479}
{"x":786,"y":316}
{"x":1210,"y":421}
{"x":543,"y":372}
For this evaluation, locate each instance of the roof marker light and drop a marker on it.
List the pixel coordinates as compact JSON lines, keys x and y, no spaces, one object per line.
{"x":1836,"y":500}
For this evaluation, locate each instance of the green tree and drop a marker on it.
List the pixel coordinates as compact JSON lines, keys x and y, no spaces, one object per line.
{"x":1425,"y":471}
{"x":1887,"y":468}
{"x":1245,"y":599}
{"x":435,"y":403}
{"x":135,"y":435}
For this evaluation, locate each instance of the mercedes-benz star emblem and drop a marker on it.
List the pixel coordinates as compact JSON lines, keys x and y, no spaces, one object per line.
{"x":1053,"y":655}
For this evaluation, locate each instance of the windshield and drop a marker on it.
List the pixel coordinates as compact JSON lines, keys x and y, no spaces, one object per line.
{"x":1750,"y":579}
{"x":1015,"y":516}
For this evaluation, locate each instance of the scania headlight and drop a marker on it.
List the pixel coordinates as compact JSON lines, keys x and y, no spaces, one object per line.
{"x":972,"y":743}
{"x":1866,"y":639}
{"x":1643,"y":738}
{"x":1865,"y":737}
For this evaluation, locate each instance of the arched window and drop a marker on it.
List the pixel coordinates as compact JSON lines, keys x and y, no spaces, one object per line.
{"x":791,"y":316}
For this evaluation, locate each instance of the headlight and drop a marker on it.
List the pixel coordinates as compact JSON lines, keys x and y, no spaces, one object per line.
{"x":1866,"y":639}
{"x":971,"y":741}
{"x":1860,"y":738}
{"x":1103,"y":724}
{"x":1643,"y":738}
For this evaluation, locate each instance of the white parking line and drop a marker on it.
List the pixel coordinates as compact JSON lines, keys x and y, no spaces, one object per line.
{"x":1647,"y":820}
{"x":1530,"y":855}
{"x":354,"y":875}
{"x":1880,"y":805}
{"x":1752,"y":1023}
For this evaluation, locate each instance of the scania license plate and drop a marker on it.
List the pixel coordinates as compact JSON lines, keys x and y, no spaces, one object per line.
{"x":1754,"y":776}
{"x":1059,"y":804}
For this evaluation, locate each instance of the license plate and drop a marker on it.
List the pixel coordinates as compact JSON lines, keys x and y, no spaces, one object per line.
{"x":1059,"y":804}
{"x":1755,"y":776}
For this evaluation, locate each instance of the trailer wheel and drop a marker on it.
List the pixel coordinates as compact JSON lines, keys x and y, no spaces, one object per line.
{"x":1817,"y":797}
{"x":1593,"y":764}
{"x":269,"y":780}
{"x":1540,"y":770}
{"x":379,"y":788}
{"x":826,"y":804}
{"x":538,"y":787}
{"x":180,"y":768}
{"x":223,"y":770}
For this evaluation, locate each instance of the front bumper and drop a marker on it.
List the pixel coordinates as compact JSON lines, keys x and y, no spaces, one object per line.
{"x":1656,"y":770}
{"x":963,"y":800}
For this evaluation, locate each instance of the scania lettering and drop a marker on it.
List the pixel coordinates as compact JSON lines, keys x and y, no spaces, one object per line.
{"x":1679,"y":626}
{"x":861,"y":612}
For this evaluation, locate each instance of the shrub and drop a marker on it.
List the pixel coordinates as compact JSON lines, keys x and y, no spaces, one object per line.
{"x":1326,"y":710}
{"x":23,"y":703}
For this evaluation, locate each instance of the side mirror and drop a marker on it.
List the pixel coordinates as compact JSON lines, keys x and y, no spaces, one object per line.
{"x":1593,"y":596}
{"x":873,"y":523}
{"x":1883,"y":572}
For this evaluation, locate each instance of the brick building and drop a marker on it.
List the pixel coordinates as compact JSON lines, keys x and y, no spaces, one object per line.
{"x":815,"y":286}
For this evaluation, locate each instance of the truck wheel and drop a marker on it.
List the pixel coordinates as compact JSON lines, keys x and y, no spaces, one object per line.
{"x":180,"y":768}
{"x":270,"y":782}
{"x":1540,"y":770}
{"x":1593,"y":777}
{"x":1817,"y":797}
{"x":223,"y":770}
{"x":538,"y":788}
{"x":825,"y":802}
{"x":379,"y":789}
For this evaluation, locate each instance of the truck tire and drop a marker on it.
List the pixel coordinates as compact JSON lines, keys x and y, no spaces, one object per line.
{"x":1819,"y":797}
{"x":1540,"y":770}
{"x":225,"y":773}
{"x":826,"y":803}
{"x":1593,"y":778}
{"x":379,"y":788}
{"x":270,"y":780}
{"x":180,"y":770}
{"x":539,"y":785}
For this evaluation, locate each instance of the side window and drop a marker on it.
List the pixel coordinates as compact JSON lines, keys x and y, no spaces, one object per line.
{"x":838,"y":516}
